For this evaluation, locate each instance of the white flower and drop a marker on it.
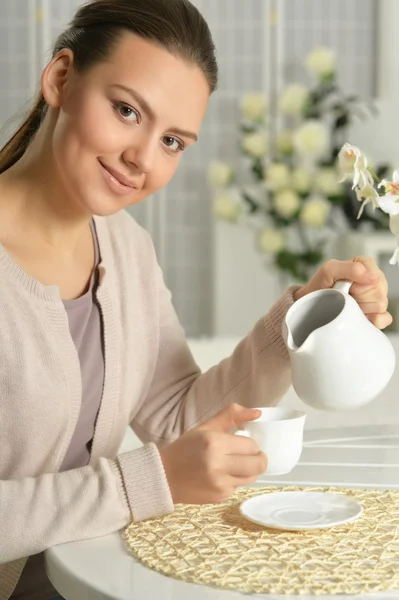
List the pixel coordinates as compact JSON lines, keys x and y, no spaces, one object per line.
{"x":366,"y":195}
{"x":301,"y":180}
{"x":255,"y":144}
{"x":394,"y":224}
{"x":321,"y":62}
{"x":285,"y":142}
{"x":312,"y":138}
{"x":394,"y":260}
{"x":315,"y":212}
{"x":220,"y":174}
{"x":286,"y":203}
{"x":353,"y":163}
{"x":226,"y":207}
{"x":253,"y":106}
{"x":294,"y":99}
{"x":277,"y":176}
{"x":390,"y":202}
{"x":271,"y":240}
{"x":326,"y":182}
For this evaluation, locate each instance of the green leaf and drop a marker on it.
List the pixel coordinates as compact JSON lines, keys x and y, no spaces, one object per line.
{"x":313,"y":112}
{"x":253,"y":206}
{"x":342,"y":120}
{"x":312,"y":257}
{"x":257,"y":169}
{"x":340,"y":199}
{"x":328,"y":162}
{"x":335,"y":151}
{"x":382,"y":170}
{"x":248,"y":128}
{"x":287,"y":261}
{"x":328,"y":81}
{"x":290,"y":262}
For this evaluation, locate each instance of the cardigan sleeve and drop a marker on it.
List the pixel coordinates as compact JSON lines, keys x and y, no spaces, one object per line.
{"x":181,"y":397}
{"x":54,"y":508}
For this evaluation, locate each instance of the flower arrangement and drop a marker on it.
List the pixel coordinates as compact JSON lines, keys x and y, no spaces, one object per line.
{"x":290,"y":192}
{"x":353,"y":163}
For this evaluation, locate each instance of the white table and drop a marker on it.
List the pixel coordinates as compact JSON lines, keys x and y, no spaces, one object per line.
{"x":101,"y":569}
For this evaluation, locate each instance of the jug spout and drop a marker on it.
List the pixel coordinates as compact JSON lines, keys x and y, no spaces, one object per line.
{"x":291,"y":345}
{"x":306,"y":348}
{"x":310,"y":315}
{"x":302,"y":347}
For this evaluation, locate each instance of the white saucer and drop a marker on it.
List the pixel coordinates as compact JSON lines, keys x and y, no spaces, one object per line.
{"x":300,"y":511}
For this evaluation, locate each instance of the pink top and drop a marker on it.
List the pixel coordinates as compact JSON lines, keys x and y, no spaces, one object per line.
{"x":84,"y":319}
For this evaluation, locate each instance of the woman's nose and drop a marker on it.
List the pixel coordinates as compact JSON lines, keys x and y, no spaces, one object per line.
{"x":142,"y":153}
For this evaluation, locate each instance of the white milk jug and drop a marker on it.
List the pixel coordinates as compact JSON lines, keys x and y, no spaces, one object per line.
{"x":339,"y":359}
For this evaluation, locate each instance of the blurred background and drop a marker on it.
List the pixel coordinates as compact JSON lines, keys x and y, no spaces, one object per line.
{"x":209,"y":225}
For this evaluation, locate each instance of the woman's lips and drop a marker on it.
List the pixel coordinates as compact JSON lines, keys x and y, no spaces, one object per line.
{"x":117,"y":182}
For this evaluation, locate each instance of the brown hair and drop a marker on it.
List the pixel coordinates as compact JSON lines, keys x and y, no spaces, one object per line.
{"x":175,"y":25}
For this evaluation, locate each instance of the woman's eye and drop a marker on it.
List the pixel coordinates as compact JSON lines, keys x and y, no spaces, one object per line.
{"x":173,"y":144}
{"x":127,"y":112}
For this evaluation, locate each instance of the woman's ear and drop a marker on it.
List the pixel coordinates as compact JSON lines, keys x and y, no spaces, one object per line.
{"x":55,"y":77}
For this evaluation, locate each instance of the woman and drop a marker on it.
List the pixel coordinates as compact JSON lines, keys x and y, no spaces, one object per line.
{"x":90,"y":340}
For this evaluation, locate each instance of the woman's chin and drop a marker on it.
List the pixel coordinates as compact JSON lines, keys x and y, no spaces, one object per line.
{"x":104,"y":205}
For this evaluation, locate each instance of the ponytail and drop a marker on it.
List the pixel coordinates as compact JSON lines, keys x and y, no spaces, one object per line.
{"x":15,"y":148}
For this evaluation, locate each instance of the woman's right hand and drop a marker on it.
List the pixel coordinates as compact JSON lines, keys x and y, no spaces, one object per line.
{"x":206,"y":464}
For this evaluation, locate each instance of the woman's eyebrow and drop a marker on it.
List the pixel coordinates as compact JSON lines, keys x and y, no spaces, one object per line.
{"x":149,"y":111}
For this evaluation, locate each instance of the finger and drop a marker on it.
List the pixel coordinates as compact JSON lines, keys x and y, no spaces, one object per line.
{"x":246,"y":466}
{"x":230,"y":417}
{"x":236,"y":482}
{"x":369,"y":263}
{"x":349,"y":270}
{"x":370,"y":293}
{"x":240,"y":445}
{"x":380,"y":320}
{"x":369,"y":308}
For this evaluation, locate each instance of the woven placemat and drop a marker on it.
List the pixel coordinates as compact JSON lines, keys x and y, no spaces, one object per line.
{"x":214,"y":545}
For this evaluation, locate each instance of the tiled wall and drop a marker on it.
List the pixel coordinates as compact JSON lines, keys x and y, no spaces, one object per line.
{"x":180,"y":218}
{"x":350,"y":27}
{"x":15,"y":60}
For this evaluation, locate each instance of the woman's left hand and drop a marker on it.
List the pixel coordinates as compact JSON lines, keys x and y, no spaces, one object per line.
{"x":369,"y":288}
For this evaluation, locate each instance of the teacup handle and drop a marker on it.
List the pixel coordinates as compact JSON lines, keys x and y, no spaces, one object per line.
{"x":343,"y":286}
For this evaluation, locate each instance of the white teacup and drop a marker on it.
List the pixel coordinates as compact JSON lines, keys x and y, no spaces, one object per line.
{"x":279,"y":434}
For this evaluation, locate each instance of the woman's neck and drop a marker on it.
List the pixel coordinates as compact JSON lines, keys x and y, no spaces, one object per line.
{"x":34,"y":203}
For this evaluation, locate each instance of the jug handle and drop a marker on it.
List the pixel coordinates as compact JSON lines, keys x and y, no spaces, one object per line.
{"x":343,"y":286}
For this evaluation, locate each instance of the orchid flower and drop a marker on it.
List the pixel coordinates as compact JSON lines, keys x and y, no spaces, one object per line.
{"x":366,"y":195}
{"x":353,"y":163}
{"x":389,"y":203}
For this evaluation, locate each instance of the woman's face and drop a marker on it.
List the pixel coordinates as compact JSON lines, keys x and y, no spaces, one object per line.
{"x":121,"y":127}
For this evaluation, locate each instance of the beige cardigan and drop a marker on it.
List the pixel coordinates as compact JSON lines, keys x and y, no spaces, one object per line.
{"x":151,"y":383}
